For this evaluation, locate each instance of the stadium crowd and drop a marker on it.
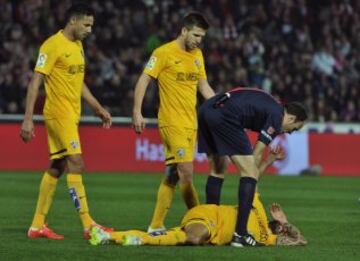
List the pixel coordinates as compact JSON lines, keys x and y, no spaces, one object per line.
{"x":294,"y":49}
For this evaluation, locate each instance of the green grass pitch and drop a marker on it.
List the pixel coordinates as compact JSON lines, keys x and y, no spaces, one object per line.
{"x":326,"y":209}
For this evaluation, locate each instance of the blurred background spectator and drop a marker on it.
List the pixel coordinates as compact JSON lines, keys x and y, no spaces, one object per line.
{"x":293,"y":49}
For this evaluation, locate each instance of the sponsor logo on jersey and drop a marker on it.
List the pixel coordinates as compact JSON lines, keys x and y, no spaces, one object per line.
{"x":76,"y":68}
{"x":181,"y":76}
{"x":41,"y":60}
{"x":197,"y":63}
{"x":74,"y":144}
{"x":180,"y":152}
{"x":151,"y":63}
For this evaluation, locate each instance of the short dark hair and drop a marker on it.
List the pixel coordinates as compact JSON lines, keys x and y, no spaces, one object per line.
{"x":194,"y":19}
{"x":274,"y":225}
{"x":79,"y":9}
{"x":297,"y":109}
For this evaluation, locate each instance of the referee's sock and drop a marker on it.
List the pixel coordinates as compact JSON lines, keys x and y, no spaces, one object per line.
{"x":213,"y":190}
{"x":246,"y":192}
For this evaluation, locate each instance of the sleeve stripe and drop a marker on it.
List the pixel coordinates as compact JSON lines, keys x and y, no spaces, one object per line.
{"x":266,"y":135}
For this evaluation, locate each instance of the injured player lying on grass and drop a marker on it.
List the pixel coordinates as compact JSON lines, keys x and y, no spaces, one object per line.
{"x":212,"y":225}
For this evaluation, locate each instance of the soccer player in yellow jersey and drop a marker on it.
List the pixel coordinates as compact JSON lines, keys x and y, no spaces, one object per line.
{"x":179,"y":68}
{"x":61,"y":66}
{"x":212,"y":225}
{"x":215,"y":225}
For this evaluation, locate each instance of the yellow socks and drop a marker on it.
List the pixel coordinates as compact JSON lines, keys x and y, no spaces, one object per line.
{"x":171,"y":238}
{"x":164,"y":200}
{"x":118,"y":236}
{"x":163,"y":203}
{"x":189,"y":195}
{"x":78,"y":195}
{"x":46,"y":193}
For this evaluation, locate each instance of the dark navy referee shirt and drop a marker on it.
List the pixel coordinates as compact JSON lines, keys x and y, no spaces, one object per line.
{"x":255,"y":110}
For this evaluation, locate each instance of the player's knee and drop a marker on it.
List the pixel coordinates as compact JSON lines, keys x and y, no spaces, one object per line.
{"x":172,"y":176}
{"x":75,"y":164}
{"x":252,"y":172}
{"x":218,"y":164}
{"x":185,"y":172}
{"x":57,"y":167}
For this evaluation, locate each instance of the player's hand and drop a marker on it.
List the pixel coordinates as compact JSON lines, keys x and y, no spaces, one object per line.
{"x":27,"y":131}
{"x":277,"y":153}
{"x":277,"y":213}
{"x":105,"y":117}
{"x":138,"y":123}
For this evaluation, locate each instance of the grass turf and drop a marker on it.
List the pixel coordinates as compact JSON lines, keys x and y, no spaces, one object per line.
{"x":326,"y":209}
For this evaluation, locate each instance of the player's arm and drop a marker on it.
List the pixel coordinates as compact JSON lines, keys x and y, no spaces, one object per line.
{"x":103,"y":114}
{"x":27,"y":126}
{"x":258,"y":152}
{"x":276,"y":153}
{"x":266,"y":136}
{"x":205,"y":89}
{"x":140,"y":89}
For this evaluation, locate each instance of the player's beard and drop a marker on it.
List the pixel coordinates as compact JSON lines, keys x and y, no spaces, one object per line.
{"x":81,"y":36}
{"x":190,"y":46}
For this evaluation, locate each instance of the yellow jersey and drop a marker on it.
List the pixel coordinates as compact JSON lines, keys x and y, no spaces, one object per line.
{"x":63,"y":64}
{"x":221,"y":222}
{"x":178,"y":73}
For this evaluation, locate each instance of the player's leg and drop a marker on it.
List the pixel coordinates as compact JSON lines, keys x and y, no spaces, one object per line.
{"x":131,"y":237}
{"x":218,"y":166}
{"x":75,"y":166}
{"x":167,"y":186}
{"x":46,"y":192}
{"x":210,"y":141}
{"x":164,"y":198}
{"x":231,"y":139}
{"x":174,"y":172}
{"x":179,"y":147}
{"x":57,"y":151}
{"x":187,"y":188}
{"x":184,"y":156}
{"x":249,"y":175}
{"x":172,"y":237}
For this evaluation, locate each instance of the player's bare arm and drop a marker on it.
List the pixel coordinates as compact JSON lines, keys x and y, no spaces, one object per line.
{"x":288,"y":233}
{"x":103,"y":114}
{"x":140,"y":89}
{"x":277,"y":213}
{"x":27,"y":126}
{"x":275,"y":154}
{"x":258,"y":152}
{"x":205,"y":89}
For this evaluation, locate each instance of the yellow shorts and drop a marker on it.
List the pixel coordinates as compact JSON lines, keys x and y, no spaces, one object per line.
{"x":179,"y":144}
{"x":63,"y":137}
